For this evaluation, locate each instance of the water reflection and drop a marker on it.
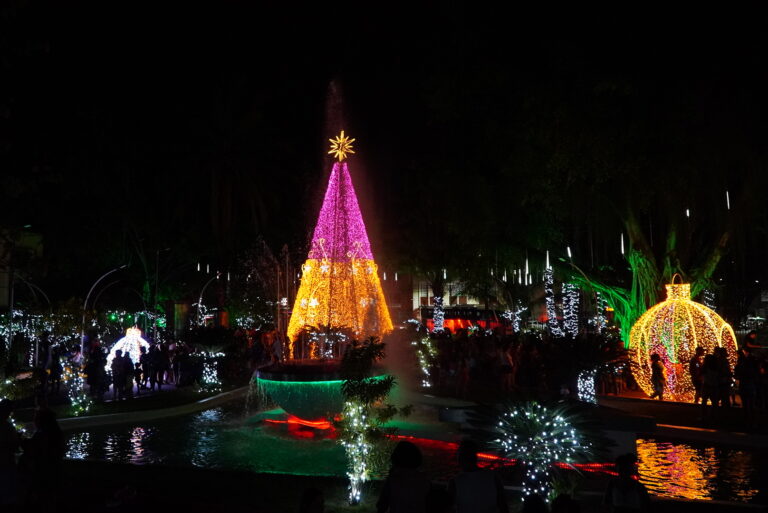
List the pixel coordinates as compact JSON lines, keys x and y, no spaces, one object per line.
{"x":138,"y":436}
{"x":684,"y":471}
{"x":77,"y":446}
{"x":227,"y":438}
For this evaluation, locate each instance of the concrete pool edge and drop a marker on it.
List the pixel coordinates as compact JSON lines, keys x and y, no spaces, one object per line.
{"x":71,"y":423}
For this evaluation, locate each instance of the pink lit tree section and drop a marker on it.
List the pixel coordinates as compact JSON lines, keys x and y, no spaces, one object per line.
{"x":340,"y":287}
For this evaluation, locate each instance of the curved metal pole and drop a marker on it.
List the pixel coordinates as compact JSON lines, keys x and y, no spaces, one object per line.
{"x":85,"y":306}
{"x":98,"y":296}
{"x":32,"y":287}
{"x":50,"y":307}
{"x":200,"y":299}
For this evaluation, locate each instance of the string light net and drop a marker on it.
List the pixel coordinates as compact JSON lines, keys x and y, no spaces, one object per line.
{"x":340,"y":285}
{"x":131,"y":343}
{"x":674,"y":329}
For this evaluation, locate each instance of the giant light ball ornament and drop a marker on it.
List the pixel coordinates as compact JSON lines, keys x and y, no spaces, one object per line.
{"x":130,"y":343}
{"x":674,"y":329}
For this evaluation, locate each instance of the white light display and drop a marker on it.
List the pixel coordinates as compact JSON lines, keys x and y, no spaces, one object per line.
{"x":538,"y":437}
{"x":708,"y":298}
{"x":514,"y":316}
{"x":131,"y":344}
{"x":571,"y":309}
{"x":426,"y":353}
{"x":73,"y":379}
{"x":438,"y":315}
{"x":552,"y":323}
{"x":585,"y":384}
{"x":357,"y":448}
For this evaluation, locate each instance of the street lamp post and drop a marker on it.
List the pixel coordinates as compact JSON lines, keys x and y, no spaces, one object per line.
{"x":85,"y":306}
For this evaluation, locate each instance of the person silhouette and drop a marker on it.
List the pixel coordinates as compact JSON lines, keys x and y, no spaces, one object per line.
{"x":625,"y":494}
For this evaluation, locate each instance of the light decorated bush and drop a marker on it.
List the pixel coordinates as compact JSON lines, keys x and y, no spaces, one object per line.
{"x":538,"y":437}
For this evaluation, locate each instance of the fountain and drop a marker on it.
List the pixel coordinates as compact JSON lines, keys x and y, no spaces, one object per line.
{"x":340,"y":298}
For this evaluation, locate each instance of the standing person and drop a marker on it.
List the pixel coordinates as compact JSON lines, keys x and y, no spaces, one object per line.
{"x":277,"y":347}
{"x":709,"y":383}
{"x":56,"y":371}
{"x":748,"y":373}
{"x":137,"y":376}
{"x":128,"y":371}
{"x":9,"y":443}
{"x":697,"y":375}
{"x":97,"y":378}
{"x":154,"y":362}
{"x":171,"y":361}
{"x":176,"y":363}
{"x":43,"y":455}
{"x":506,"y":366}
{"x":164,"y":364}
{"x":476,"y":489}
{"x":144,"y":361}
{"x":118,"y":376}
{"x":724,"y":377}
{"x":658,"y":377}
{"x":406,"y":487}
{"x":624,"y":493}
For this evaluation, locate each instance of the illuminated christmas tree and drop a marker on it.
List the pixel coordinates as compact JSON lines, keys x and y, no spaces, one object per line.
{"x":340,"y":288}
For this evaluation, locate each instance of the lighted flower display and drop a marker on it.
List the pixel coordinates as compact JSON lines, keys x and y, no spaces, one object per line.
{"x":674,"y":329}
{"x":340,"y":287}
{"x":131,"y":343}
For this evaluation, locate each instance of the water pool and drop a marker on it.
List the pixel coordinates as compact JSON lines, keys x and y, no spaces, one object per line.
{"x":228,"y":437}
{"x":222,"y":437}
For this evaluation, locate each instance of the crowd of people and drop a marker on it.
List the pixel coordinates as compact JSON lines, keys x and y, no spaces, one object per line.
{"x":173,"y":362}
{"x":530,"y":365}
{"x":719,"y":385}
{"x":162,"y":364}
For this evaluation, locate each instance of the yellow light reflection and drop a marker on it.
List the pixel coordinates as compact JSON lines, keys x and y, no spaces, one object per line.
{"x":681,"y":471}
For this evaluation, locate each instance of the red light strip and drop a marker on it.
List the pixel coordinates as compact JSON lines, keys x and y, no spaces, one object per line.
{"x":605,"y":468}
{"x":317,"y":424}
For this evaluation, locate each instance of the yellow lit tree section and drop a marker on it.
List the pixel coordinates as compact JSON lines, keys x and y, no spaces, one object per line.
{"x":340,"y":295}
{"x":674,"y":329}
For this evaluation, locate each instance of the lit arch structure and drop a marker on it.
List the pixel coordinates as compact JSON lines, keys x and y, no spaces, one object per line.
{"x":131,"y":343}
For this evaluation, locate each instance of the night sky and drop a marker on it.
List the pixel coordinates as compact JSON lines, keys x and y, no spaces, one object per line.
{"x":128,"y":130}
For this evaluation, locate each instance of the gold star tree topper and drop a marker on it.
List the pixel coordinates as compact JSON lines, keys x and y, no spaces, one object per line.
{"x":340,"y":146}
